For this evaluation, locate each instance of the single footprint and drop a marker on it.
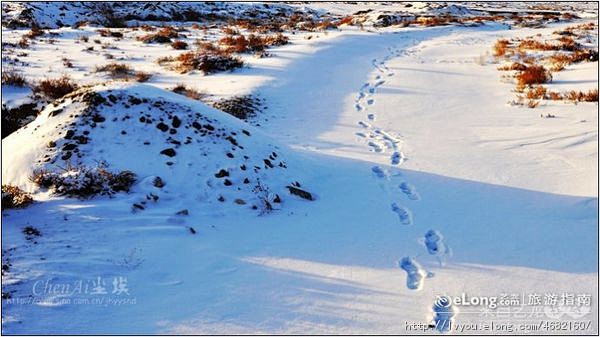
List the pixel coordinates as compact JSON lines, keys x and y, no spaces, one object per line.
{"x":410,"y":191}
{"x":415,"y":272}
{"x":403,"y":214}
{"x":397,"y":158}
{"x":380,"y":172}
{"x":379,"y":83}
{"x":370,"y":101}
{"x":358,"y":107}
{"x":436,"y":246}
{"x":365,"y":124}
{"x":361,"y":95}
{"x":371,"y":117}
{"x":360,"y":134}
{"x":443,"y":314}
{"x":375,"y":146}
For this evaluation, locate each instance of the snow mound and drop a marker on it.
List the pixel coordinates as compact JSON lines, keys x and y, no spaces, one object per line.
{"x":196,"y":151}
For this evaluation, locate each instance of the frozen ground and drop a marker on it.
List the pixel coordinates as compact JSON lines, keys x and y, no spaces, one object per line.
{"x":395,"y":131}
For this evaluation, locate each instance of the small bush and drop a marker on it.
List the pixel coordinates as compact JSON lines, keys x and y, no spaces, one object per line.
{"x":55,"y":88}
{"x":207,"y":63}
{"x":537,"y":92}
{"x":500,"y":47}
{"x":164,"y":35}
{"x":179,"y":45}
{"x":115,"y":69}
{"x":23,"y":43}
{"x":241,"y":107}
{"x":513,"y":66}
{"x":234,"y":44}
{"x":555,"y":96}
{"x":14,"y":197}
{"x":252,"y":43}
{"x":536,"y":45}
{"x":110,"y":33}
{"x":580,"y":96}
{"x":123,"y":71}
{"x":141,"y":76}
{"x":534,"y":74}
{"x":11,"y":77}
{"x":190,"y":93}
{"x":584,"y":55}
{"x":34,"y":32}
{"x":84,"y":182}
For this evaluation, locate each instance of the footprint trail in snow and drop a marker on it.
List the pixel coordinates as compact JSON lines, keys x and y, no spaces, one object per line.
{"x":384,"y":141}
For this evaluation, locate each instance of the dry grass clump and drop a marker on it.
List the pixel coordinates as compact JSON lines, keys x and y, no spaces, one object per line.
{"x":34,"y":32}
{"x":534,"y":74}
{"x":179,"y":45}
{"x":573,"y":96}
{"x":500,"y":47}
{"x":123,"y":71}
{"x":208,"y":62}
{"x":164,"y":35}
{"x":83,"y":181}
{"x":536,"y":92}
{"x":535,"y":45}
{"x":110,"y":33}
{"x":582,"y":96}
{"x":435,"y":20}
{"x":12,"y":77}
{"x":252,"y":43}
{"x":190,"y":93}
{"x":115,"y":69}
{"x":241,"y":107}
{"x":348,"y":20}
{"x":515,"y":66}
{"x":55,"y":88}
{"x":559,"y":61}
{"x":14,"y":197}
{"x":142,"y":76}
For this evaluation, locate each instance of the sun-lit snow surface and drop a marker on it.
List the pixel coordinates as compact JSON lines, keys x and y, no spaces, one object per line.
{"x":514,"y":196}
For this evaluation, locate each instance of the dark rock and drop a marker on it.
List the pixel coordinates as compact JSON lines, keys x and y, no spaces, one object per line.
{"x":158,"y":182}
{"x":168,"y":152}
{"x":301,"y":193}
{"x":176,"y":122}
{"x":222,"y":173}
{"x":162,"y":127}
{"x":69,"y":147}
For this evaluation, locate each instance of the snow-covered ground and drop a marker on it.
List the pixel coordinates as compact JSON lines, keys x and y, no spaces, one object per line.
{"x":404,"y":137}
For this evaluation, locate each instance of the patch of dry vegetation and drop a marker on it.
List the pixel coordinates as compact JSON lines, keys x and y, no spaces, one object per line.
{"x":83,"y":181}
{"x":123,"y":71}
{"x":208,"y":60}
{"x":14,"y":197}
{"x":164,"y":35}
{"x":14,"y":78}
{"x":533,"y":69}
{"x":241,"y":107}
{"x":534,"y":74}
{"x":252,"y":43}
{"x":179,"y":45}
{"x":55,"y":88}
{"x":190,"y":93}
